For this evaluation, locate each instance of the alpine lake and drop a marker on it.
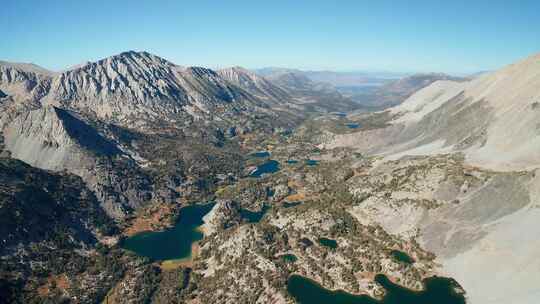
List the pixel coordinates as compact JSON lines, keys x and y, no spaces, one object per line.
{"x":174,"y":243}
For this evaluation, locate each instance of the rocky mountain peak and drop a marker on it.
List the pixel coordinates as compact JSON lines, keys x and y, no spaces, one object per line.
{"x":24,"y":81}
{"x":141,"y":87}
{"x":50,"y":137}
{"x":127,"y":84}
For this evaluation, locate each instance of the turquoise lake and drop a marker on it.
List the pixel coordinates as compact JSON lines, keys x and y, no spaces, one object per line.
{"x":401,"y":257}
{"x":328,"y":243}
{"x":174,"y":243}
{"x":311,"y":162}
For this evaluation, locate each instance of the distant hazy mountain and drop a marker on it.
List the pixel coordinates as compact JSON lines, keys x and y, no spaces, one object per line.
{"x":477,"y":74}
{"x":370,"y":89}
{"x":312,"y":96}
{"x":290,"y":90}
{"x":298,"y":81}
{"x":338,"y":79}
{"x":255,"y":84}
{"x":394,"y":92}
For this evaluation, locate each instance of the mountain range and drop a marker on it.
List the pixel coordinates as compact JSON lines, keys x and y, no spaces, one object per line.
{"x":445,"y":170}
{"x":67,"y":120}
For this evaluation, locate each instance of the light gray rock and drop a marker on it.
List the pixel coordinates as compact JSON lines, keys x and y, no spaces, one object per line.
{"x":55,"y":139}
{"x":255,"y":84}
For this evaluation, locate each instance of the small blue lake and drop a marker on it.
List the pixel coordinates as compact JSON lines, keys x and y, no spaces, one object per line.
{"x":260,"y":154}
{"x":352,"y":125}
{"x":311,"y":162}
{"x":271,"y":166}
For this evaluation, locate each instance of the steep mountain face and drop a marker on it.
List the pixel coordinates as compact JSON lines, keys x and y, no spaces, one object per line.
{"x":141,"y":90}
{"x":211,"y":93}
{"x":125,"y":82}
{"x":492,"y":119}
{"x":489,"y":127}
{"x":55,"y":139}
{"x":256,"y":85}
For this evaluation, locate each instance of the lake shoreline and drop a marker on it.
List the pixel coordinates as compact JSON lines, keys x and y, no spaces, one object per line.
{"x":455,"y":288}
{"x":184,"y":262}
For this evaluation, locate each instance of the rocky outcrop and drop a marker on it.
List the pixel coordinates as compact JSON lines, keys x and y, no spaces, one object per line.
{"x":281,"y":191}
{"x":224,"y":214}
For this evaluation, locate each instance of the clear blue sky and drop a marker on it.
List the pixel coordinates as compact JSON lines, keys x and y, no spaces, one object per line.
{"x":404,"y":36}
